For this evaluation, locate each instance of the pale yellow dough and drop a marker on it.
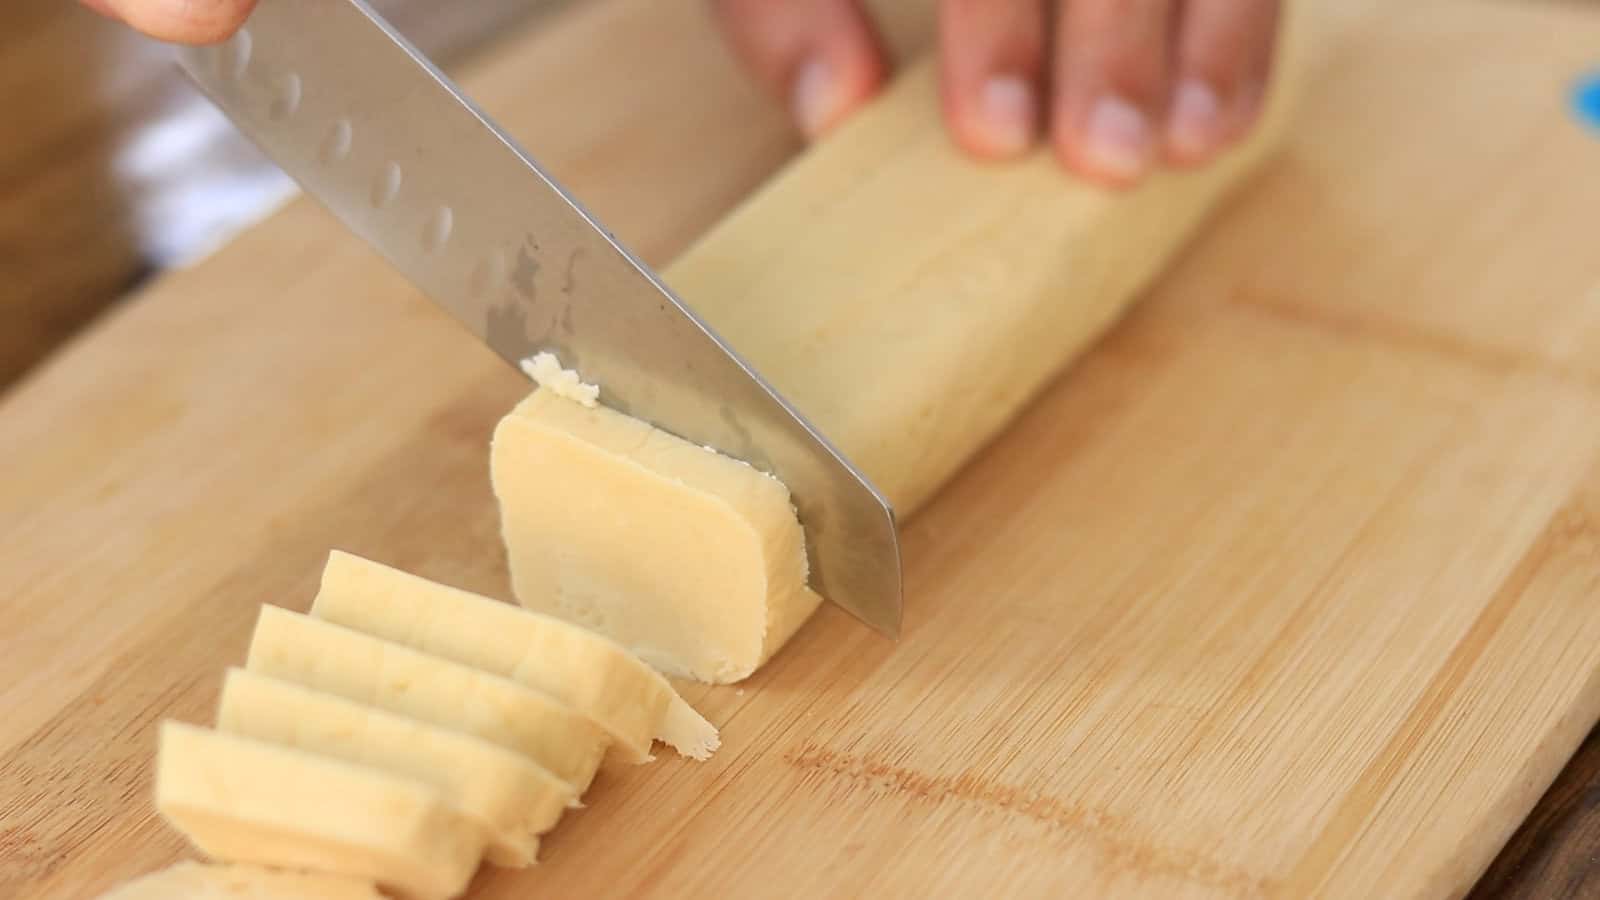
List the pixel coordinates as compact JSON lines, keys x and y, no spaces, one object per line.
{"x":513,"y":799}
{"x":590,"y":673}
{"x":908,"y":301}
{"x":692,"y":560}
{"x":242,"y":800}
{"x":390,"y":676}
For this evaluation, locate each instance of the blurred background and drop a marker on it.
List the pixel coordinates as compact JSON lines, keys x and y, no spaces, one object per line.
{"x":112,"y":167}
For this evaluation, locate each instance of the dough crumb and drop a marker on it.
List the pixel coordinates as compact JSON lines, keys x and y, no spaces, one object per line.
{"x":547,"y":371}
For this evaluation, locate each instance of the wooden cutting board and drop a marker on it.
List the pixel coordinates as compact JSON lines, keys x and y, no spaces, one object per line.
{"x":1291,"y":586}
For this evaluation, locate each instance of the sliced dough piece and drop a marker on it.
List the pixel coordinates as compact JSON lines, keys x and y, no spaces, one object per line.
{"x":592,"y":674}
{"x":384,"y":674}
{"x":693,"y":560}
{"x":189,"y":880}
{"x":243,"y":800}
{"x":513,"y":798}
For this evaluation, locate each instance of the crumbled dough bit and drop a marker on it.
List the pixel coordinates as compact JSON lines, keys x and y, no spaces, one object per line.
{"x":549,"y":374}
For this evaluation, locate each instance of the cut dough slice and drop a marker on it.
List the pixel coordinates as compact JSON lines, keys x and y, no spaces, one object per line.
{"x":242,"y":800}
{"x":511,"y":797}
{"x":360,"y":667}
{"x":693,"y":560}
{"x":592,"y":674}
{"x":190,"y":880}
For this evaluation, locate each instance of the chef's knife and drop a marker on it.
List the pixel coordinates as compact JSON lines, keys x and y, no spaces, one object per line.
{"x":390,"y":146}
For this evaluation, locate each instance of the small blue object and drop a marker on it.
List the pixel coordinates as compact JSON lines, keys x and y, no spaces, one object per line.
{"x":1586,"y":100}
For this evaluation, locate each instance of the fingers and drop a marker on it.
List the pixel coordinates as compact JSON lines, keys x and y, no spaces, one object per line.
{"x":823,"y":56}
{"x":1224,"y":59}
{"x":179,"y":21}
{"x":991,"y":66}
{"x":1111,"y":74}
{"x":1129,"y":82}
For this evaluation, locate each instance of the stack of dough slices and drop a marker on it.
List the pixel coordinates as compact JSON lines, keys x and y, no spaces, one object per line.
{"x":395,"y":737}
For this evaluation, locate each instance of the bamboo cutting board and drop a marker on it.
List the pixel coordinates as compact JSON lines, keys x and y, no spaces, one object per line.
{"x":1290,"y":587}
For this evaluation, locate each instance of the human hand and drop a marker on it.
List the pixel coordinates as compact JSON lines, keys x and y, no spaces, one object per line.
{"x":178,"y":21}
{"x":1116,"y":87}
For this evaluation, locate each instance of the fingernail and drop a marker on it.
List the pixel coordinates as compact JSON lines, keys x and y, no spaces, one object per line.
{"x":1196,"y":123}
{"x":1118,"y":138}
{"x":1009,"y":115}
{"x":815,"y":100}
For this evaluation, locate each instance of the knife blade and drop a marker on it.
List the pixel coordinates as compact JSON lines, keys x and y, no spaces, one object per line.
{"x":388,"y":144}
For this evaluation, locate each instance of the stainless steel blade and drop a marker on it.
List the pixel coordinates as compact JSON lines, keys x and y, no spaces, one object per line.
{"x":380,"y":137}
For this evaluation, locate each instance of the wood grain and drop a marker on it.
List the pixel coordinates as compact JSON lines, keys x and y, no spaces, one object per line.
{"x":1287,"y":587}
{"x":1556,"y":852}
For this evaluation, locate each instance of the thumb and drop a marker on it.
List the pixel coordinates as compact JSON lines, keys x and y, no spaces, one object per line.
{"x":178,"y":21}
{"x":822,"y":56}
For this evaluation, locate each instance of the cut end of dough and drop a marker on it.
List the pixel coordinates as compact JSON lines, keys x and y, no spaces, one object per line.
{"x":688,"y":732}
{"x":694,"y":561}
{"x":521,"y":856}
{"x":548,"y":373}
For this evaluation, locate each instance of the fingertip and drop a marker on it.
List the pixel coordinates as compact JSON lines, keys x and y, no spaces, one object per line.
{"x":824,"y":58}
{"x":1073,"y":160}
{"x":193,"y":22}
{"x":1001,"y":120}
{"x":991,"y":64}
{"x":1196,"y":126}
{"x":1247,"y":108}
{"x":1114,"y":146}
{"x":1112,"y":88}
{"x":825,"y":90}
{"x":1203,"y":126}
{"x":1225,"y":49}
{"x":201,"y":35}
{"x":102,"y":7}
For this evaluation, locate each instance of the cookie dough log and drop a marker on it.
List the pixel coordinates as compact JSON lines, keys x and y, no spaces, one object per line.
{"x":909,"y":301}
